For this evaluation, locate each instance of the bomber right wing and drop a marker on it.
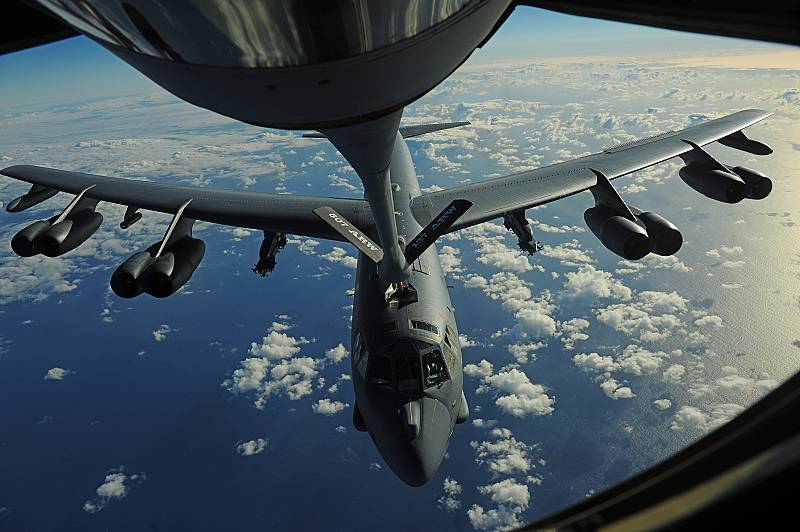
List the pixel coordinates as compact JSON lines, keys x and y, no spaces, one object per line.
{"x":501,"y":196}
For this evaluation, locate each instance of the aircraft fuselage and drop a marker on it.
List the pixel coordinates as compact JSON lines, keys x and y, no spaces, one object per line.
{"x":406,"y":357}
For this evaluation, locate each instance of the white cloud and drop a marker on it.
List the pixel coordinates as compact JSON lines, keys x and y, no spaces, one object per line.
{"x":115,"y":486}
{"x":326,"y":407}
{"x":516,"y":394}
{"x":449,"y":257}
{"x":724,"y":250}
{"x":483,"y":368}
{"x":595,"y":363}
{"x":615,"y":390}
{"x":504,"y":455}
{"x":292,"y":377}
{"x":277,"y":344}
{"x":731,"y":380}
{"x":536,"y":320}
{"x":339,"y":256}
{"x":56,"y":374}
{"x":251,"y":447}
{"x":522,"y":351}
{"x":652,"y":262}
{"x":571,"y":331}
{"x":733,"y":264}
{"x":651,"y":316}
{"x":279,"y":326}
{"x":709,"y":322}
{"x":480,"y":423}
{"x":692,"y":418}
{"x":35,"y":278}
{"x":662,"y":404}
{"x":533,"y":314}
{"x":489,"y":240}
{"x":160,"y":334}
{"x":450,"y":501}
{"x":589,"y":283}
{"x":511,"y":498}
{"x":674,"y":374}
{"x":336,"y":354}
{"x":568,"y":254}
{"x":306,"y":246}
{"x":541,"y":226}
{"x":265,"y":377}
{"x":465,"y":341}
{"x":640,"y":361}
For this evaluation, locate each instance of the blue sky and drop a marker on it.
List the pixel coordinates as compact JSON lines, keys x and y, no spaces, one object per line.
{"x":78,"y":69}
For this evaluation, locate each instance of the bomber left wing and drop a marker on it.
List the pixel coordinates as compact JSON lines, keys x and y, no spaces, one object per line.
{"x":285,"y":213}
{"x":509,"y":196}
{"x":168,"y":264}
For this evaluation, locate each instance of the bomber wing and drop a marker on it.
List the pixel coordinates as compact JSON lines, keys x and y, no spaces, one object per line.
{"x":502,"y":196}
{"x":284,"y":213}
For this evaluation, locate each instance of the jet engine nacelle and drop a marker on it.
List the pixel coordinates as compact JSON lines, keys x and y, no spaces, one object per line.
{"x":719,"y":185}
{"x":757,"y":185}
{"x":619,"y":234}
{"x":126,"y":281}
{"x":665,"y":238}
{"x":162,"y":276}
{"x":23,"y":242}
{"x":173,"y":269}
{"x":68,"y":234}
{"x":56,"y":239}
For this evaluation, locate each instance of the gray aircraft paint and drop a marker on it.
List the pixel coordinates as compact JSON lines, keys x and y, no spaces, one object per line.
{"x":413,"y":459}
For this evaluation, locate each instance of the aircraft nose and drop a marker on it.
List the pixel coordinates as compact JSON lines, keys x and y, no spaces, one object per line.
{"x":427,"y":435}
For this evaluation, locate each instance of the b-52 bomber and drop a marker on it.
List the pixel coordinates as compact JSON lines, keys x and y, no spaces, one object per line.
{"x":346,"y":69}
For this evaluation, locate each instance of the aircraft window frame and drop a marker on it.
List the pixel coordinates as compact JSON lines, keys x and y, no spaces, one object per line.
{"x":380,"y":382}
{"x":445,"y":370}
{"x":421,"y":325}
{"x":414,"y":382}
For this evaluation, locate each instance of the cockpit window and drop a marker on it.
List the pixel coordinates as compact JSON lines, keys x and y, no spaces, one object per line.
{"x":409,"y":372}
{"x":380,"y":370}
{"x":435,"y":368}
{"x":425,"y":326}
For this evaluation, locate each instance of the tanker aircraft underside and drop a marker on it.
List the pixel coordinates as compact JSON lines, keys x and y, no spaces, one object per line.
{"x":347,"y":69}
